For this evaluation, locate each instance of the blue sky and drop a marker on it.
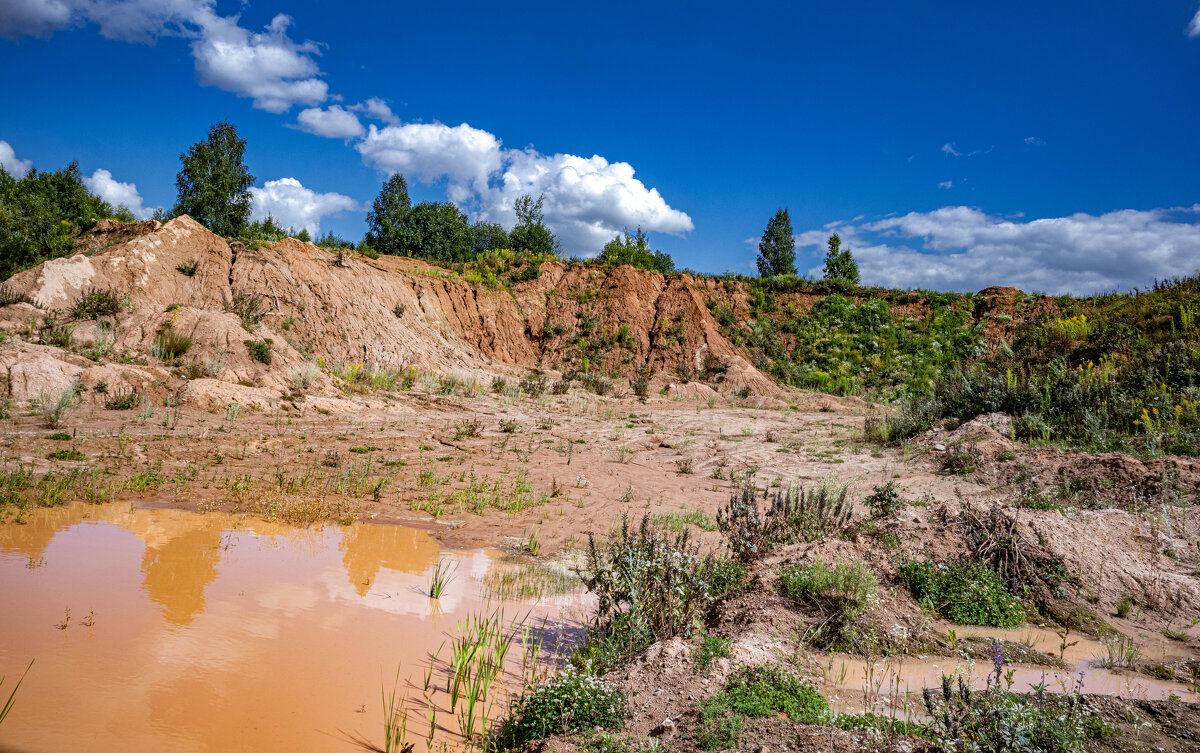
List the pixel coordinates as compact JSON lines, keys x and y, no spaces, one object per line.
{"x":1052,"y":146}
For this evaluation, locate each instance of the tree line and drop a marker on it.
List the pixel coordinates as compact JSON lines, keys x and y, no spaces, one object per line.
{"x":42,"y":213}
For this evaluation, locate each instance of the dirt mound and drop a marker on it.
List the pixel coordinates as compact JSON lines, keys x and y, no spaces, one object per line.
{"x":388,"y":312}
{"x":1112,"y":478}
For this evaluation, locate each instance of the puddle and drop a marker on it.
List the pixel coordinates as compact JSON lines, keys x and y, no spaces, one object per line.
{"x":212,"y":632}
{"x":895,"y":684}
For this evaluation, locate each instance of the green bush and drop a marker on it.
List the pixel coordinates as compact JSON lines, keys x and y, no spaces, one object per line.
{"x":260,"y":350}
{"x":41,"y":214}
{"x":71,"y":454}
{"x":963,"y":591}
{"x":884,"y":500}
{"x":572,"y":701}
{"x":248,"y":308}
{"x":757,"y":691}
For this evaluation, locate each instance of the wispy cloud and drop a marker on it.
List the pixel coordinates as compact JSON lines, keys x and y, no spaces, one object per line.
{"x":1035,"y":141}
{"x":1193,"y":29}
{"x":950,"y":151}
{"x":267,"y":66}
{"x":947,"y":184}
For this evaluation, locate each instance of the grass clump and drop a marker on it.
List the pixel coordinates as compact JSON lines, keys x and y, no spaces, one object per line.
{"x":757,"y":691}
{"x":171,"y":344}
{"x":189,"y":268}
{"x":572,"y":701}
{"x":71,"y":455}
{"x":963,"y":591}
{"x":53,"y":404}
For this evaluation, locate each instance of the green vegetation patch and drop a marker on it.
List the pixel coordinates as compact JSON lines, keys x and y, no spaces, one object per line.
{"x":963,"y":591}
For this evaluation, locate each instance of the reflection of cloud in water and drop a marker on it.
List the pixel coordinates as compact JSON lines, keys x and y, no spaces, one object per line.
{"x":405,"y":591}
{"x":215,"y":632}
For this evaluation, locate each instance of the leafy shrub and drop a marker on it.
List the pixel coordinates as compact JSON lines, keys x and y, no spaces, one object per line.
{"x":304,"y":374}
{"x":260,"y":350}
{"x":561,"y":387}
{"x":42,"y":214}
{"x":189,"y":268}
{"x":641,"y":386}
{"x":757,"y":691}
{"x":572,"y":701}
{"x":794,"y":514}
{"x":993,"y":719}
{"x":964,"y":591}
{"x":596,"y":383}
{"x":728,"y":576}
{"x":94,"y":303}
{"x":884,"y":500}
{"x":534,"y":386}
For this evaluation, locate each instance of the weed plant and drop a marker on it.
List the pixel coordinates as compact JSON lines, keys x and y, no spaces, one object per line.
{"x":793,"y":514}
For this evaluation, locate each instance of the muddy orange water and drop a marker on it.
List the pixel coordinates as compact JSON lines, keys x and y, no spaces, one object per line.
{"x":895,"y":683}
{"x":211,"y":632}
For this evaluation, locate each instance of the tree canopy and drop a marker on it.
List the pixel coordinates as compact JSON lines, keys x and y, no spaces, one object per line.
{"x":777,"y":249}
{"x":530,"y":233}
{"x":214,"y":184}
{"x":385,"y":221}
{"x":635,"y":251}
{"x":839,"y":263}
{"x":41,"y":213}
{"x":438,"y":230}
{"x":489,"y":236}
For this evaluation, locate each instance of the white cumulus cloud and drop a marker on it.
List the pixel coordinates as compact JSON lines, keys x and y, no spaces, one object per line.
{"x":463,"y":155}
{"x":1193,"y":29}
{"x":103,"y":184}
{"x":334,"y":122}
{"x":8,"y":160}
{"x":962,"y":248}
{"x":292,"y":205}
{"x":588,"y":200}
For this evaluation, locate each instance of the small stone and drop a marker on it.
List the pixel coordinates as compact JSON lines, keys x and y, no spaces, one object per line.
{"x":666,"y":729}
{"x":940,"y":447}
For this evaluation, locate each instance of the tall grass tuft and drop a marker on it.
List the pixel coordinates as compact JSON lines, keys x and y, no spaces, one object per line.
{"x":443,"y":573}
{"x":54,"y":404}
